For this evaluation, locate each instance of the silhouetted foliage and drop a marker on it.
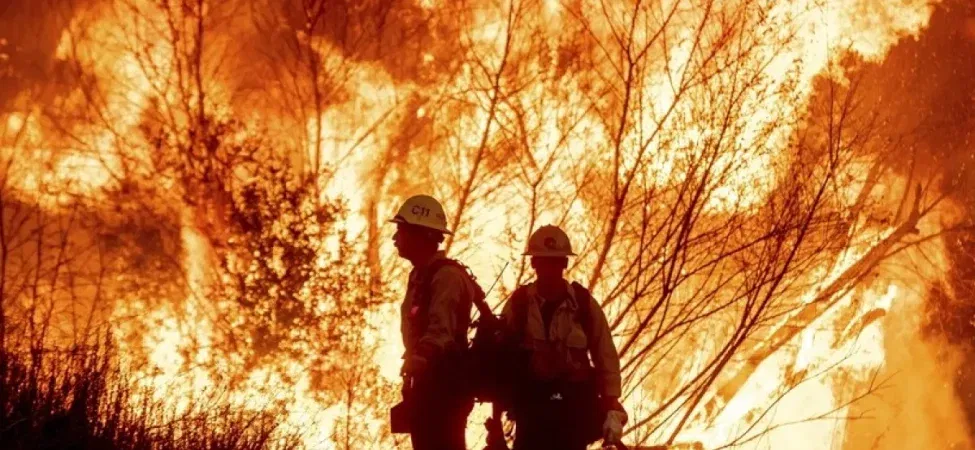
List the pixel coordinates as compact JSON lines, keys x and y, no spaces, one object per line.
{"x":79,"y":399}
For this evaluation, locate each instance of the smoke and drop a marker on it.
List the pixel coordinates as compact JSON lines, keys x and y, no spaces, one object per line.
{"x":30,"y":31}
{"x":358,"y":83}
{"x":924,"y":95}
{"x":925,"y":90}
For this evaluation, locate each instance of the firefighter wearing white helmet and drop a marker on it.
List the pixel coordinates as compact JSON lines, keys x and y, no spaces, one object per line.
{"x":435,"y":316}
{"x":564,"y":401}
{"x":422,"y":211}
{"x":549,"y":241}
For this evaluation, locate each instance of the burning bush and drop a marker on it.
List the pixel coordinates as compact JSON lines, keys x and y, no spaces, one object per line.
{"x":273,"y":287}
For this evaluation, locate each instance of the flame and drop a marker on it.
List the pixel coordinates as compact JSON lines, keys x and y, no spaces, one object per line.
{"x":468,"y":145}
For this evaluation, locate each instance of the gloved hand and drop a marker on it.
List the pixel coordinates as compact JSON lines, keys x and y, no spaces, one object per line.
{"x":613,"y":426}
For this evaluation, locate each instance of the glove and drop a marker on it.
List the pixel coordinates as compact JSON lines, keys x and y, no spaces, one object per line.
{"x":613,"y":426}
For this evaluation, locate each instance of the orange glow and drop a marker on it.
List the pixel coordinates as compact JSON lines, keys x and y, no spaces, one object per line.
{"x":517,"y":114}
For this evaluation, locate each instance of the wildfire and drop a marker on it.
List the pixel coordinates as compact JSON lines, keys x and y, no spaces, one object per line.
{"x":627,"y":124}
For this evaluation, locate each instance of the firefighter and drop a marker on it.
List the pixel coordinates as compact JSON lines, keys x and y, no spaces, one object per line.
{"x":435,"y":316}
{"x":562,"y":401}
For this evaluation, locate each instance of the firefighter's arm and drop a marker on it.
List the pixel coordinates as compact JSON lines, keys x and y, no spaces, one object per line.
{"x":447,"y":289}
{"x":603,"y":353}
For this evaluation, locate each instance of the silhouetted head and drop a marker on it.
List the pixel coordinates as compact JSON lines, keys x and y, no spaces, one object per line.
{"x":549,"y":268}
{"x":550,"y":249}
{"x":416,"y":243}
{"x":420,"y":228}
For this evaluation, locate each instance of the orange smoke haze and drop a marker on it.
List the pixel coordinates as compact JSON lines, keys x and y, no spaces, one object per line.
{"x":761,"y":210}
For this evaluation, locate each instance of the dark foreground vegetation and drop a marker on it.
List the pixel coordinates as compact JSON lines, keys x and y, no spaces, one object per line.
{"x":78,"y":399}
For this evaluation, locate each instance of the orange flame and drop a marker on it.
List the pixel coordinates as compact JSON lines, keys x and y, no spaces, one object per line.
{"x":357,"y":138}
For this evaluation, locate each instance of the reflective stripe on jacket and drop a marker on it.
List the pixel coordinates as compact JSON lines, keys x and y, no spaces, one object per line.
{"x":562,"y":350}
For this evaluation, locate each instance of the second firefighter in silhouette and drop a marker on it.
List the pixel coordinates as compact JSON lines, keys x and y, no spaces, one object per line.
{"x":567,"y":394}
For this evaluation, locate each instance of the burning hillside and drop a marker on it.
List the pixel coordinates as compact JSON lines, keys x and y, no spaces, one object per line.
{"x":771,"y":200}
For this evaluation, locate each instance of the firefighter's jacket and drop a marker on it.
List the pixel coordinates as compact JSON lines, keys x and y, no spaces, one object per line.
{"x":564,"y":349}
{"x":448,"y":315}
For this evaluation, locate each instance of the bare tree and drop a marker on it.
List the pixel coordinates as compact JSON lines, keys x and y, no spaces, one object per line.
{"x":721,"y":199}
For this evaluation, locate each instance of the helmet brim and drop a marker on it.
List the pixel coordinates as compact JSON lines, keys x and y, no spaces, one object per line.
{"x":400,"y":219}
{"x":549,"y":254}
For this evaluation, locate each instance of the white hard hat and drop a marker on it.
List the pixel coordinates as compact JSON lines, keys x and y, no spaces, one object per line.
{"x":424,"y":211}
{"x":549,"y":240}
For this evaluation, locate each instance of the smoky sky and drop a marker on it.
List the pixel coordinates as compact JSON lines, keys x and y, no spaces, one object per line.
{"x":392,"y":33}
{"x":30,"y":30}
{"x":929,"y":82}
{"x":926,"y":88}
